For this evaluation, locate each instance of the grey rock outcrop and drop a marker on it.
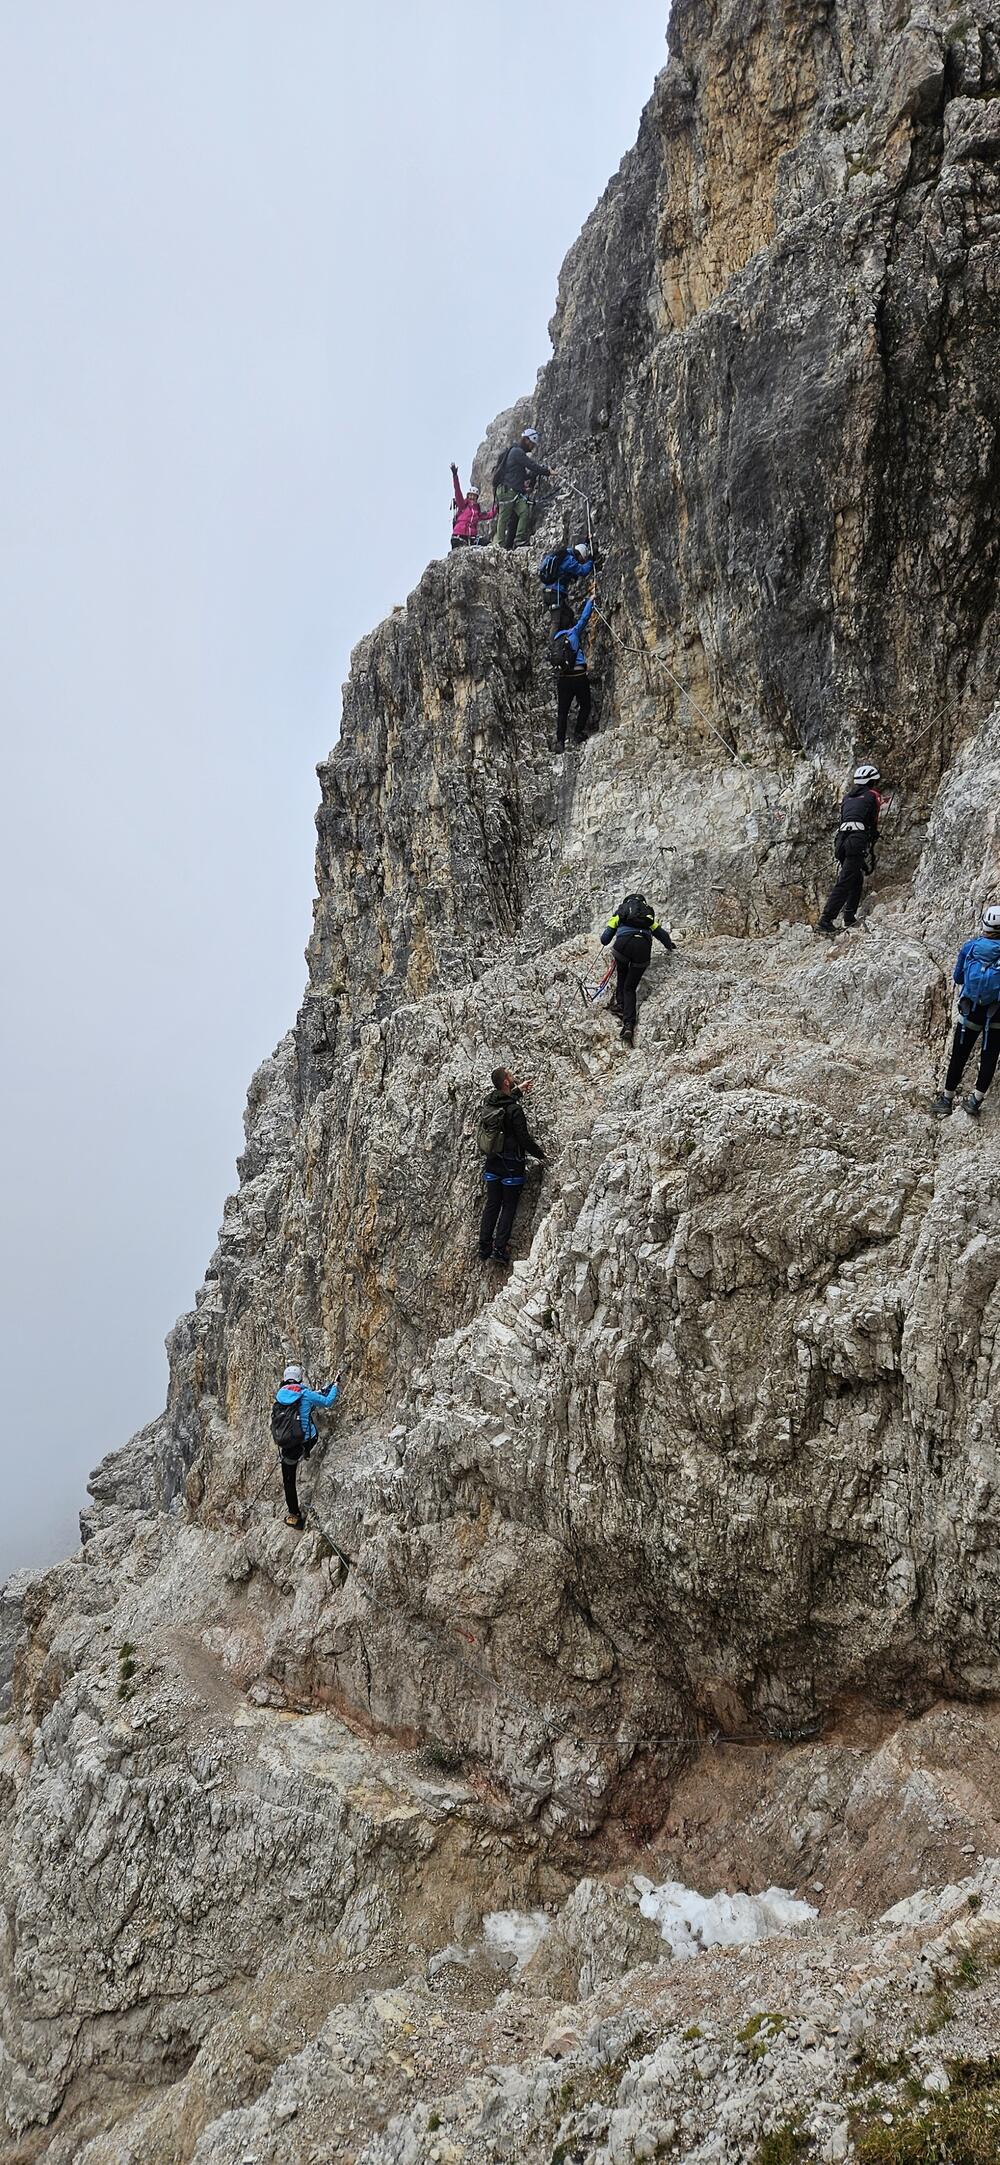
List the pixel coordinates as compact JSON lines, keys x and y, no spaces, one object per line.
{"x":712,"y":1475}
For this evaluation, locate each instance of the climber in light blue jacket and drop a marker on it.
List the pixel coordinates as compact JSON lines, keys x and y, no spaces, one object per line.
{"x":294,"y":1431}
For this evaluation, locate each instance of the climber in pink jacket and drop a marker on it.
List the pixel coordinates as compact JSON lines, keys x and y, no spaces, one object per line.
{"x":468,"y":515}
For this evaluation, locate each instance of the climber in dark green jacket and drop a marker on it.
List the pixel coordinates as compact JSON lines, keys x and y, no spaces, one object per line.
{"x":506,"y":1143}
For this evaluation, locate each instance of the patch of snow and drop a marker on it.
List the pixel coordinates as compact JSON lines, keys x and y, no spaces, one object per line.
{"x":690,"y":1922}
{"x":515,"y":1932}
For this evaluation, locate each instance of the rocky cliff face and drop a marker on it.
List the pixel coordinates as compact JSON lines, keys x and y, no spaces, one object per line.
{"x":645,"y":1558}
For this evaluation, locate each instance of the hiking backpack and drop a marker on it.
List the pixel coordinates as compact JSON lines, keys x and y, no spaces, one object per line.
{"x":563,"y":656}
{"x":548,"y":572}
{"x":492,"y":1129}
{"x":635,"y":911}
{"x":286,"y":1423}
{"x":981,"y":982}
{"x":499,"y":467}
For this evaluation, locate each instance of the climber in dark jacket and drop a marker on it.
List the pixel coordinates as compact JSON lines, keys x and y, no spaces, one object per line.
{"x":503,"y":1124}
{"x":633,"y":928}
{"x":569,"y":656}
{"x":514,"y":477}
{"x":854,"y":849}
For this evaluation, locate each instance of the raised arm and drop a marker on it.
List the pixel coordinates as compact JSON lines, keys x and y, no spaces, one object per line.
{"x":310,"y":1399}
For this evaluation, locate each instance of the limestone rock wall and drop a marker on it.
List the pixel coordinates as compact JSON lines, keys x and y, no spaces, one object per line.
{"x":718,"y":1457}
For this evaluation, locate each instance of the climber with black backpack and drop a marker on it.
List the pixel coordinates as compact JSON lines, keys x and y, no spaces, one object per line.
{"x":294,"y":1431}
{"x":569,"y":659}
{"x":854,"y":850}
{"x":506,"y":1143}
{"x":514,"y":477}
{"x":977,"y":974}
{"x":632,"y":929}
{"x":557,"y":571}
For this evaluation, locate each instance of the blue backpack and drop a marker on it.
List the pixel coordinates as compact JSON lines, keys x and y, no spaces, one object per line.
{"x":981,"y":982}
{"x":548,"y":572}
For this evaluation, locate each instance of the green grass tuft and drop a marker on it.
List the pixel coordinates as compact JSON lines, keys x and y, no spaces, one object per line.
{"x":760,"y":2032}
{"x":787,"y":2146}
{"x":960,"y":2129}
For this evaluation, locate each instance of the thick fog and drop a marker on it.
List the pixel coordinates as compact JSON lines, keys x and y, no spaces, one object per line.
{"x":267,"y":269}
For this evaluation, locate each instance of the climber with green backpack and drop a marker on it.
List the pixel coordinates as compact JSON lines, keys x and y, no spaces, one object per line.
{"x":505,"y":1142}
{"x":293,"y":1430}
{"x":977,"y":974}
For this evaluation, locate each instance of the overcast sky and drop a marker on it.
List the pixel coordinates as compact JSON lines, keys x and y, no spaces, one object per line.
{"x":268,"y":265}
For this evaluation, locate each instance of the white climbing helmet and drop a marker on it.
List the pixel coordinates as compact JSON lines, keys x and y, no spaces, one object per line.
{"x":582,"y":550}
{"x":991,"y":917}
{"x":293,"y":1373}
{"x":529,"y":435}
{"x":473,"y":489}
{"x":867,"y":774}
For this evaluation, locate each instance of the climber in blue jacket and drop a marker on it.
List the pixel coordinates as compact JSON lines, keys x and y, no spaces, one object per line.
{"x":559,"y":571}
{"x":977,"y":975}
{"x":294,"y":1431}
{"x":569,"y":659}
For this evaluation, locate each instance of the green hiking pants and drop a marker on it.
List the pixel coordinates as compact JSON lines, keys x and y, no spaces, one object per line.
{"x":512,"y":522}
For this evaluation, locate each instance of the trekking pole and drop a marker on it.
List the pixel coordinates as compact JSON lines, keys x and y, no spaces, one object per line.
{"x":592,"y":993}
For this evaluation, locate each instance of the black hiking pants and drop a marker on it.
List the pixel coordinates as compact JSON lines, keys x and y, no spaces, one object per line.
{"x":966,"y":1032}
{"x":504,"y":1179}
{"x":575,"y":685}
{"x":289,"y":1482}
{"x":627,"y":983}
{"x":846,"y":892}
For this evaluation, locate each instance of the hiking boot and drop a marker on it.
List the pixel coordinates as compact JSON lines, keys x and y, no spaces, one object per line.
{"x":500,"y":1255}
{"x":829,"y":932}
{"x":628,"y":1035}
{"x":943,"y":1104}
{"x":298,"y":1524}
{"x":972,"y":1105}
